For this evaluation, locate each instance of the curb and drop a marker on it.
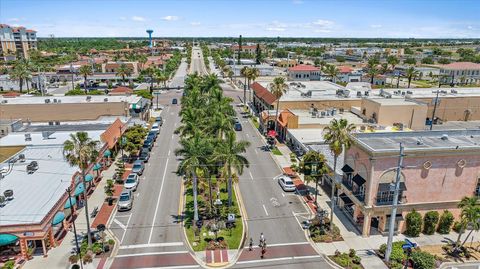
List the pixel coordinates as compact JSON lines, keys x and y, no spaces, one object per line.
{"x":446,"y":264}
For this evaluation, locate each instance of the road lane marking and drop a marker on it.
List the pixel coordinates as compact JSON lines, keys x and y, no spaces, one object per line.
{"x":264,"y":208}
{"x":256,"y":152}
{"x":125,"y":231}
{"x":266,"y":260}
{"x":151,"y":253}
{"x":250,"y":172}
{"x":153,"y":245}
{"x":158,"y":203}
{"x":168,"y":152}
{"x":284,"y":244}
{"x":120,"y":224}
{"x":283,"y":194}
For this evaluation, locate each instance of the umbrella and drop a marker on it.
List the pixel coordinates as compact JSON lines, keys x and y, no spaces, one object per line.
{"x":7,"y":239}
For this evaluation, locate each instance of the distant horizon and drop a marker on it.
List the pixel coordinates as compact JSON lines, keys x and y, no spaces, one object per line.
{"x":404,"y":19}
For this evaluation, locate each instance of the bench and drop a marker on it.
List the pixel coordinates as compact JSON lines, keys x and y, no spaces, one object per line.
{"x":94,"y":212}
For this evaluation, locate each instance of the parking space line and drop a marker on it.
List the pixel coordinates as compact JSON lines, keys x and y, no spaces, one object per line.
{"x":158,"y":202}
{"x":264,"y":208}
{"x":120,"y":224}
{"x":125,"y":231}
{"x":251,"y":176}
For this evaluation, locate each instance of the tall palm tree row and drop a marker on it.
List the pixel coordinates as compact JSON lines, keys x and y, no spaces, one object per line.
{"x":21,"y":72}
{"x":208,"y":143}
{"x":85,"y":71}
{"x":337,"y":136}
{"x":80,"y":150}
{"x":123,"y":71}
{"x":278,"y":87}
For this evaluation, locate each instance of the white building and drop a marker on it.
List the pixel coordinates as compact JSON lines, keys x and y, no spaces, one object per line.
{"x":460,"y":73}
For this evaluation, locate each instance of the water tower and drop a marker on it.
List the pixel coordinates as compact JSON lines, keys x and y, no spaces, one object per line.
{"x":150,"y":37}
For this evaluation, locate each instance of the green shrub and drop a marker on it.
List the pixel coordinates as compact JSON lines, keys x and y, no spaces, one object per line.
{"x":457,"y":226}
{"x":9,"y":265}
{"x":397,"y":254}
{"x":414,"y":224}
{"x":445,"y":223}
{"x":423,"y":260}
{"x":430,"y":221}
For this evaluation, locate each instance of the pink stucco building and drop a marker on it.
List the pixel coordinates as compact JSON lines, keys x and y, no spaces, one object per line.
{"x":440,"y":168}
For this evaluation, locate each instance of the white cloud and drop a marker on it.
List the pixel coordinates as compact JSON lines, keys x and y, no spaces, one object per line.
{"x":13,"y":20}
{"x":323,"y":23}
{"x":195,"y":23}
{"x":470,"y":27}
{"x":170,"y":18}
{"x":275,"y":29}
{"x":376,"y":26}
{"x":123,"y":18}
{"x":322,"y":31}
{"x":138,"y":18}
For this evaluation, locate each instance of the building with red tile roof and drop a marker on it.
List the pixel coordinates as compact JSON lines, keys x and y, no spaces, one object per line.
{"x":121,"y":90}
{"x":304,"y":72}
{"x":263,"y":99}
{"x":460,"y":73}
{"x":113,"y":133}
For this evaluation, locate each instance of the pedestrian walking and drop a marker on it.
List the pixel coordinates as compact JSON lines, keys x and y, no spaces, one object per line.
{"x":263,"y":252}
{"x":262,"y":239}
{"x":250,"y":245}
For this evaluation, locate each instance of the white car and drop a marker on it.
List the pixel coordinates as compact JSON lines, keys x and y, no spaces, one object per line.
{"x":132,"y":182}
{"x":286,"y":183}
{"x":155,"y":127}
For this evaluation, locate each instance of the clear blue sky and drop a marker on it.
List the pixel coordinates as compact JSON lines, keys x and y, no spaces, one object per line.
{"x":285,"y":18}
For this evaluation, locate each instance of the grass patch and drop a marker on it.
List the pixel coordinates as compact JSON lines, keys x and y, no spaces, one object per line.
{"x":232,"y":236}
{"x":255,"y":122}
{"x":9,"y":151}
{"x":347,"y":260}
{"x":276,"y":151}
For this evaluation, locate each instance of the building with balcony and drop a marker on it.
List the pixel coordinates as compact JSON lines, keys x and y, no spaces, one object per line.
{"x":16,"y":41}
{"x":439,"y":169}
{"x":460,"y":73}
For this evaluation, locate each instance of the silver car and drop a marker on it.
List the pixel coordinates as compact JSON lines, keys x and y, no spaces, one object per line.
{"x":125,"y":201}
{"x":286,"y":183}
{"x":132,"y":182}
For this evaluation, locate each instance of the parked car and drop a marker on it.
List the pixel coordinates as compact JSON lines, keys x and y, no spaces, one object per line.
{"x":159,"y":120}
{"x":174,"y":101}
{"x":144,"y":156}
{"x":138,"y":167}
{"x":152,"y":136}
{"x":237,"y":126}
{"x":125,"y":201}
{"x":286,"y":183}
{"x":148,"y":143}
{"x":132,"y":182}
{"x":155,"y":127}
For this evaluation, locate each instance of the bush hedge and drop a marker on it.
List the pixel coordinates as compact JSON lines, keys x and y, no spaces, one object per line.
{"x":423,"y":260}
{"x":430,"y":221}
{"x":397,"y":254}
{"x":445,"y":223}
{"x":414,"y":224}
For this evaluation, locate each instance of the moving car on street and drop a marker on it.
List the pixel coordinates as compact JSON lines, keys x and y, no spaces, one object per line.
{"x":132,"y":182}
{"x":237,"y":126}
{"x":138,"y":167}
{"x":174,"y":101}
{"x":285,"y":182}
{"x":125,"y":201}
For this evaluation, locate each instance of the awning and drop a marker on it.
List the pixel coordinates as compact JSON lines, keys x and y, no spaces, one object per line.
{"x":386,"y":187}
{"x":88,"y":178}
{"x":97,"y":167}
{"x":107,"y":153}
{"x":358,"y":179}
{"x":7,"y":239}
{"x":133,"y":106}
{"x":59,"y":217}
{"x":398,"y":217}
{"x":79,"y":189}
{"x":68,"y":205}
{"x":272,"y":133}
{"x":345,"y":199}
{"x":347,"y":169}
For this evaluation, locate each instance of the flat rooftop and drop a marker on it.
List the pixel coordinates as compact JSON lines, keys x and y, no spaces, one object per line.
{"x":24,"y":100}
{"x":102,"y":123}
{"x":437,"y":140}
{"x":307,"y":136}
{"x":305,"y":117}
{"x":37,"y":138}
{"x":35,"y":194}
{"x":395,"y":102}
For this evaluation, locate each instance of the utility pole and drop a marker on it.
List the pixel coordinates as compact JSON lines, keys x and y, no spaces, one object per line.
{"x":121,"y":140}
{"x":69,"y":191}
{"x":393,"y":214}
{"x":72,"y":71}
{"x":434,"y":109}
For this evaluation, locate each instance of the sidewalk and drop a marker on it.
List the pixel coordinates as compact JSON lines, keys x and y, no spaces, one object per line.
{"x":58,"y":256}
{"x":351,"y":234}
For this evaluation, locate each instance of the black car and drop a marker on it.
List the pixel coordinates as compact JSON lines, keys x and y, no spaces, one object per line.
{"x":159,"y":120}
{"x":237,"y":126}
{"x":148,"y":143}
{"x":174,"y":101}
{"x":152,"y":136}
{"x":144,"y":155}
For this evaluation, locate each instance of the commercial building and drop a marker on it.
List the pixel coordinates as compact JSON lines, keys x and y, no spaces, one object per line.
{"x":303,"y":72}
{"x":72,"y":108}
{"x":16,"y":41}
{"x":439,"y":169}
{"x":460,"y":73}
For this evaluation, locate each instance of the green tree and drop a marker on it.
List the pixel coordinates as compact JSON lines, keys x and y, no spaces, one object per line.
{"x":21,"y":73}
{"x":252,"y":75}
{"x":337,"y":136}
{"x":85,"y":71}
{"x":80,"y":150}
{"x":313,"y":160}
{"x":413,"y":222}
{"x":428,"y":60}
{"x":245,"y":73}
{"x":430,"y":221}
{"x":258,"y":54}
{"x":445,"y":223}
{"x":410,"y":61}
{"x":123,"y":71}
{"x":470,"y":216}
{"x":230,"y":154}
{"x":332,"y":71}
{"x":278,"y":87}
{"x":411,"y":73}
{"x":393,"y":61}
{"x":372,"y":69}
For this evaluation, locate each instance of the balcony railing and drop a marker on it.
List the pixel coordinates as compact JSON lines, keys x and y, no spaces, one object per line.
{"x":360,"y":196}
{"x":389,"y":200}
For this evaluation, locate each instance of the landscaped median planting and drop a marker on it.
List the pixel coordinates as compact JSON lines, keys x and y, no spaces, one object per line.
{"x":419,"y":259}
{"x":348,"y":260}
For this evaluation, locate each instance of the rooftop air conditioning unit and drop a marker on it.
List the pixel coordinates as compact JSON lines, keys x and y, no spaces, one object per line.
{"x":28,"y":137}
{"x":105,"y":99}
{"x":8,"y":195}
{"x":444,"y":137}
{"x":54,"y":100}
{"x":89,"y":98}
{"x":47,"y":101}
{"x":32,"y":167}
{"x":453,"y":91}
{"x":59,"y":100}
{"x":409,"y":92}
{"x":359,"y":94}
{"x":367,"y":93}
{"x":21,"y":158}
{"x":3,"y":201}
{"x":4,"y":101}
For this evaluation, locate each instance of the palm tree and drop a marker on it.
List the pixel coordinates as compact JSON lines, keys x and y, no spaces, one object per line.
{"x":314,"y":158}
{"x":123,"y":71}
{"x":332,"y":71}
{"x":337,"y":136}
{"x":470,"y":216}
{"x":410,"y":74}
{"x":229,"y":153}
{"x":20,"y":73}
{"x":161,"y":77}
{"x":142,"y":60}
{"x":372,"y":69}
{"x":244,"y":72}
{"x":194,"y":152}
{"x":278,"y":88}
{"x":252,"y":76}
{"x":384,"y":68}
{"x":393,"y":61}
{"x":85,"y":71}
{"x":80,"y":150}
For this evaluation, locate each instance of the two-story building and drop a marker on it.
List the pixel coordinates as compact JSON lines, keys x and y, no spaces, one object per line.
{"x":460,"y":73}
{"x":439,"y":169}
{"x":304,"y":72}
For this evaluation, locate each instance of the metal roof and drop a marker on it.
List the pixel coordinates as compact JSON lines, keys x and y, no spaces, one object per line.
{"x":35,"y":194}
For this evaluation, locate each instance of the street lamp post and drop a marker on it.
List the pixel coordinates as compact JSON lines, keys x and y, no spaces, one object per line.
{"x":217,"y":204}
{"x":69,"y":191}
{"x":121,"y":140}
{"x":72,"y":70}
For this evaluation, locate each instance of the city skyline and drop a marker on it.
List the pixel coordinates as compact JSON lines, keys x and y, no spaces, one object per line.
{"x":287,"y":18}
